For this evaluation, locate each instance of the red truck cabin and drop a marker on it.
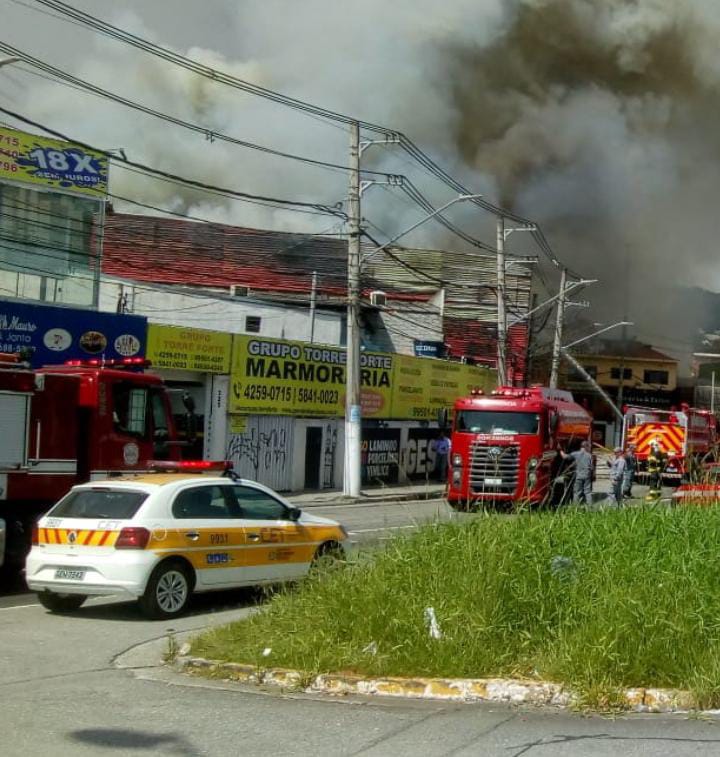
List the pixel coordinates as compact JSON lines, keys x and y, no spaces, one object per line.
{"x":127,"y":416}
{"x":505,"y":444}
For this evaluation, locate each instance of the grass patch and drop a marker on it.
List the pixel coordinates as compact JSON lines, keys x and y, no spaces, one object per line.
{"x":599,"y":601}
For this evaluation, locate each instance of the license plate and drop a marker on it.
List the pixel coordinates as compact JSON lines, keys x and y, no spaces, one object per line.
{"x":493,"y":482}
{"x":67,"y":574}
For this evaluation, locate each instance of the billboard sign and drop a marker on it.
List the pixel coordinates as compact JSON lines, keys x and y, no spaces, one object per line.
{"x":424,"y":348}
{"x":52,"y":164}
{"x":188,"y":349}
{"x":280,"y":377}
{"x":380,"y":455}
{"x":51,"y":335}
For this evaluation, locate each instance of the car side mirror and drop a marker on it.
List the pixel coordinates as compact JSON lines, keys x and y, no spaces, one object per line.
{"x":294,"y":513}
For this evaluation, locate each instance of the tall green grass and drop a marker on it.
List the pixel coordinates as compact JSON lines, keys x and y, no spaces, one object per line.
{"x":599,"y":601}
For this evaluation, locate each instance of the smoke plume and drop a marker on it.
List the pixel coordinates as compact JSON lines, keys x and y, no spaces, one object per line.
{"x":595,"y":117}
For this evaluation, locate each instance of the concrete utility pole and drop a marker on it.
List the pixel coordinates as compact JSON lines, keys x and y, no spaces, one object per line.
{"x":313,"y":305}
{"x":501,"y":314}
{"x":559,"y":323}
{"x":353,"y":414}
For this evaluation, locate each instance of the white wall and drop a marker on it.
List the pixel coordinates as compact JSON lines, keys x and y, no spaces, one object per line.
{"x":181,"y":307}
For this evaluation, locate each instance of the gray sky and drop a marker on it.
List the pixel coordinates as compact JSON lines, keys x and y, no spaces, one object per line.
{"x":597,"y":119}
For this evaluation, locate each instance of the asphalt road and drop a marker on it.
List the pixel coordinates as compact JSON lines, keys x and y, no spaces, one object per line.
{"x":367,"y":523}
{"x":62,"y":693}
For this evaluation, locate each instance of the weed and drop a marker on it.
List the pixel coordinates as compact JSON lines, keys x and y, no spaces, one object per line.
{"x":599,"y":601}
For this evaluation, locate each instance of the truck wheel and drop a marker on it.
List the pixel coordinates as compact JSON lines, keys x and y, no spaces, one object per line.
{"x":168,"y":591}
{"x":61,"y":603}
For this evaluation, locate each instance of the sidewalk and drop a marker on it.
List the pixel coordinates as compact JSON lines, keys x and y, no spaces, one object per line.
{"x":376,"y":495}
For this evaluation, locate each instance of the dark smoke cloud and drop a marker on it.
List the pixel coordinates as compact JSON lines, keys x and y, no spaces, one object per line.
{"x":600,"y":118}
{"x":595,"y":117}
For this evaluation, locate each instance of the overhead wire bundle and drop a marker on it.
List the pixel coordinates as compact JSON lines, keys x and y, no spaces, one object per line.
{"x":409,"y":189}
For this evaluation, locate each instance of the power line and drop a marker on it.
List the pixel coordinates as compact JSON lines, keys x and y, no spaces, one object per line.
{"x":407,"y":144}
{"x":59,"y":76}
{"x":208,"y":72}
{"x":167,"y":176}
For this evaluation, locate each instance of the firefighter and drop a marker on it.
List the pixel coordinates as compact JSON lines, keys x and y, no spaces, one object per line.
{"x":630,"y":468}
{"x":655,"y":466}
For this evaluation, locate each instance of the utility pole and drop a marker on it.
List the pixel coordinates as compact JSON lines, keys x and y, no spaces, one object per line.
{"x":559,"y":323}
{"x":313,"y":305}
{"x":353,"y":415}
{"x":501,"y":314}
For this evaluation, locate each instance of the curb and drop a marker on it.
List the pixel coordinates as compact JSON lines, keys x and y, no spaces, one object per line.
{"x":499,"y":690}
{"x":372,"y":500}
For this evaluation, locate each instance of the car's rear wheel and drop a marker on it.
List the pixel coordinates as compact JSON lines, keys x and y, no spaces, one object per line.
{"x":168,"y":591}
{"x":61,"y":602}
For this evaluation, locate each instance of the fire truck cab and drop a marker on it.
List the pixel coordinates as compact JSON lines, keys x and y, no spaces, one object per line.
{"x":63,"y":425}
{"x":505,"y":446}
{"x":686,"y":437}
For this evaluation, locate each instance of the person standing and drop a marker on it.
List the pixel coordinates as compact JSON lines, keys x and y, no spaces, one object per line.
{"x":655,"y":468}
{"x":583,"y":465}
{"x":617,"y":475}
{"x":630,"y":468}
{"x":441,"y":447}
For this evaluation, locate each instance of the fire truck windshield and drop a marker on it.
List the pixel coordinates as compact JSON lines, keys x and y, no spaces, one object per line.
{"x":493,"y":422}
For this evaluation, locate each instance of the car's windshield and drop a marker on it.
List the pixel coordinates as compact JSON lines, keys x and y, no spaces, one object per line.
{"x":494,"y":422}
{"x":99,"y":503}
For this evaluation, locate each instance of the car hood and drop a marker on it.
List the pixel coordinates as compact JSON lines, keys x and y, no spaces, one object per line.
{"x":315,"y":520}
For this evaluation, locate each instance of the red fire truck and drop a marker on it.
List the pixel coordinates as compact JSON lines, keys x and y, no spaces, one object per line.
{"x":684,"y":436}
{"x":505,"y":445}
{"x":63,"y":425}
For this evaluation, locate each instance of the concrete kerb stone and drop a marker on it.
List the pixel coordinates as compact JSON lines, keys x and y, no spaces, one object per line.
{"x":501,"y":690}
{"x":379,"y":499}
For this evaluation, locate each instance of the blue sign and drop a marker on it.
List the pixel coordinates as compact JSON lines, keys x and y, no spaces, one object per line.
{"x":429,"y":349}
{"x":49,"y":335}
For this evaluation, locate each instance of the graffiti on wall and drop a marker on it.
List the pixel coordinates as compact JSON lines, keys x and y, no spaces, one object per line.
{"x":263,"y":452}
{"x":260,"y":449}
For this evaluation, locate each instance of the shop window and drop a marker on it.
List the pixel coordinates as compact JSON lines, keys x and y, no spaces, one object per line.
{"x":626,"y":374}
{"x":252,"y":324}
{"x":656,"y":377}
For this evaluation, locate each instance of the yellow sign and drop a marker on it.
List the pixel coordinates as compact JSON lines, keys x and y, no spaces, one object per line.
{"x":238,"y":424}
{"x":52,"y":163}
{"x":188,"y":349}
{"x":277,"y":377}
{"x":422,"y":386}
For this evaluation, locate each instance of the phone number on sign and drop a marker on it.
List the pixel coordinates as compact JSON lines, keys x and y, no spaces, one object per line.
{"x":263,"y":392}
{"x":319,"y":396}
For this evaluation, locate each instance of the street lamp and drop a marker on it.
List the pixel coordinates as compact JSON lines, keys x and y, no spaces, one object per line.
{"x":8,"y":61}
{"x":597,"y":333}
{"x":571,"y":286}
{"x":353,"y":411}
{"x":459,"y":198}
{"x":579,"y":368}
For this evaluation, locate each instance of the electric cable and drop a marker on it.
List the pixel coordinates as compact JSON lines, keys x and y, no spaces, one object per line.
{"x":59,"y":76}
{"x":156,"y":172}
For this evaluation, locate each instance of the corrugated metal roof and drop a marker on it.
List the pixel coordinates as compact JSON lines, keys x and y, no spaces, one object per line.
{"x":177,"y":251}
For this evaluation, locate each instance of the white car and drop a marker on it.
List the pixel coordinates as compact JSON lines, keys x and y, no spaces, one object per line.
{"x":159,"y":537}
